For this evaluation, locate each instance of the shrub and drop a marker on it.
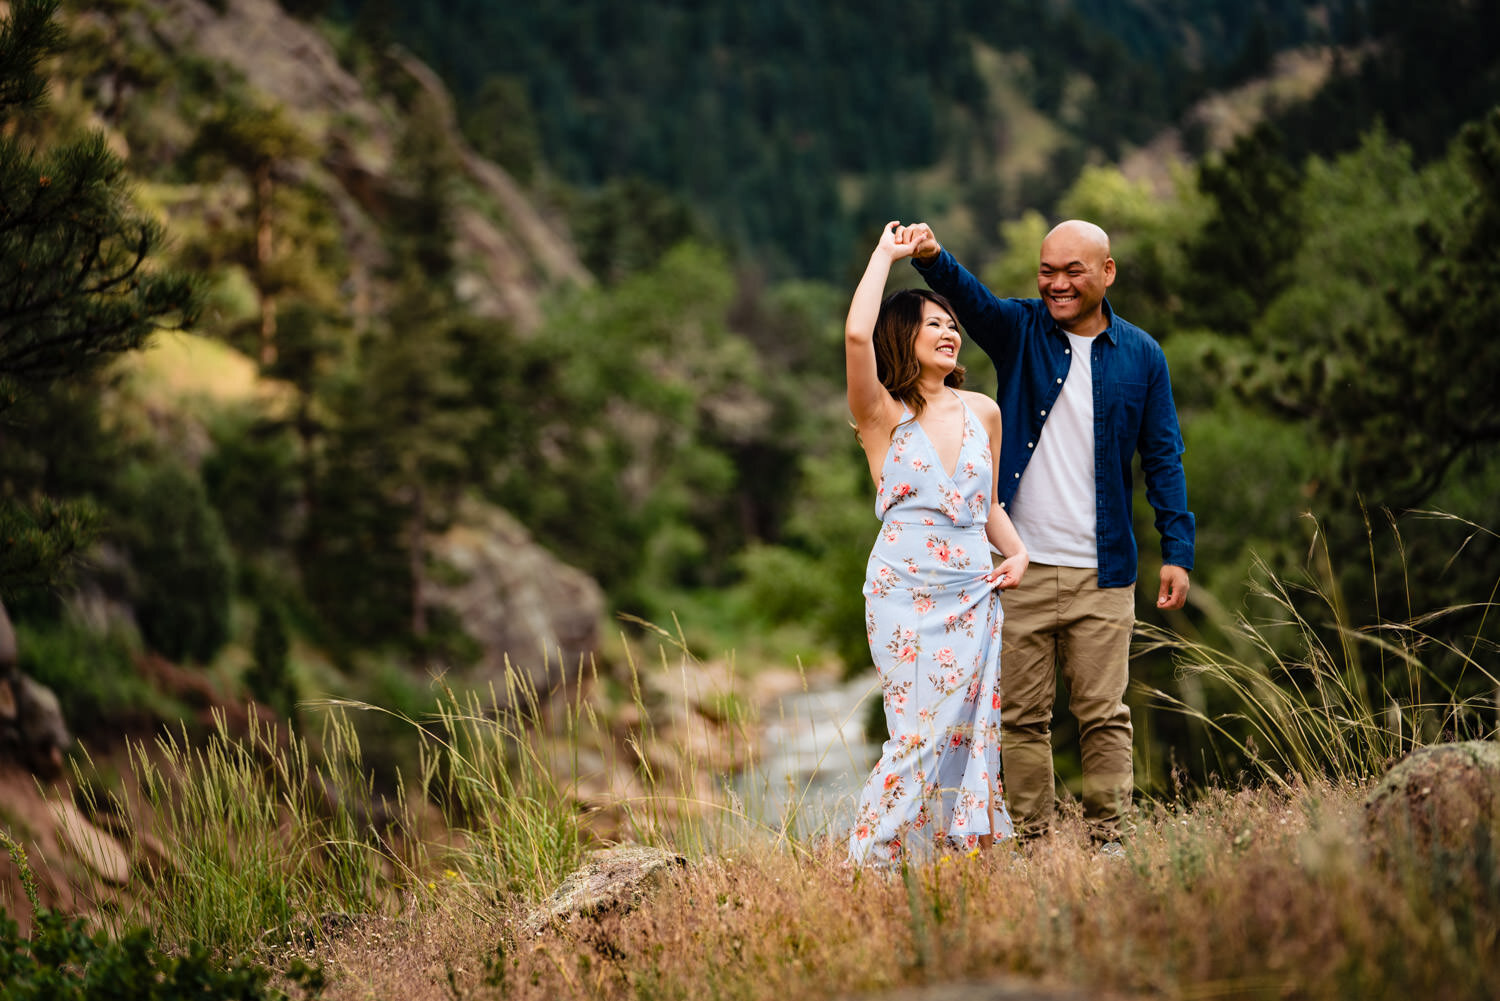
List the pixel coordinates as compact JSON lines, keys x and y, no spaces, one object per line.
{"x":92,"y":674}
{"x":270,"y":677}
{"x":61,"y":961}
{"x":185,"y":571}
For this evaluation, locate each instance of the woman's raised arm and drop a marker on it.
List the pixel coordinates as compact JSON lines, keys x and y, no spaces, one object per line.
{"x":869,"y":402}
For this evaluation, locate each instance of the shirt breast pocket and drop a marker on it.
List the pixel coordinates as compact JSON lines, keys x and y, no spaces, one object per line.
{"x":1129,"y":406}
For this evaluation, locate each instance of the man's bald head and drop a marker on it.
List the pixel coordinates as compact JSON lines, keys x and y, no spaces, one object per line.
{"x":1074,"y":272}
{"x":1079,"y":233}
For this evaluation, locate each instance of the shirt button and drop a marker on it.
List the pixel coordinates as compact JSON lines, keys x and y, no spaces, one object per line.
{"x":1018,"y":476}
{"x":1044,"y":413}
{"x":1059,"y":382}
{"x":1031,"y":444}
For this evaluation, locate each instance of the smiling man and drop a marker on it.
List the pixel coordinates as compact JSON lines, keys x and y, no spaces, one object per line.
{"x":1081,"y":392}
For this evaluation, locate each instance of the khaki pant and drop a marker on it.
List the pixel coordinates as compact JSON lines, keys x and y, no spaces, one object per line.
{"x":1060,"y":618}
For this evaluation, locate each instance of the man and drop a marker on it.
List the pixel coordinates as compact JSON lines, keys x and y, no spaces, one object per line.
{"x":1081,"y":392}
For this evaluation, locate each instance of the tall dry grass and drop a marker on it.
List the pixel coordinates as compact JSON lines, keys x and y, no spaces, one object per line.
{"x":1305,"y":690}
{"x":271,"y":837}
{"x":1268,"y":890}
{"x":1261,"y":893}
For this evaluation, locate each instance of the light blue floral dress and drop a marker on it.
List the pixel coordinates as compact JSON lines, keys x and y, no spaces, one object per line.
{"x":933,"y":622}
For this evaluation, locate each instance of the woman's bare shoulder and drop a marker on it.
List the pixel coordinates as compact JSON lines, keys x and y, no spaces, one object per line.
{"x":983,"y":405}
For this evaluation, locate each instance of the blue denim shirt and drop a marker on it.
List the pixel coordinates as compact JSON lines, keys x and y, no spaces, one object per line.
{"x":1133,"y":412}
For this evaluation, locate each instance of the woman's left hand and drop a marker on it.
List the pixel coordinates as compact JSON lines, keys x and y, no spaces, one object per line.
{"x":1010,"y":571}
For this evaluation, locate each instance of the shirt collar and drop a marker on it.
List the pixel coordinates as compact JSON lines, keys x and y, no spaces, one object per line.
{"x":1111,"y":324}
{"x":1109,"y":316}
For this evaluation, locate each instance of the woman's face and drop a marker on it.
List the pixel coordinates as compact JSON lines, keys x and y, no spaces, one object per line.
{"x":937,"y":339}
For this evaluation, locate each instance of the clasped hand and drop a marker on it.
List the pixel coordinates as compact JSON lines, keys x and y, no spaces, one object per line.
{"x":1009,"y":573}
{"x":902,"y":241}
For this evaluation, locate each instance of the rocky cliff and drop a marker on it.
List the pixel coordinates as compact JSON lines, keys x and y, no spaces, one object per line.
{"x":148,"y":74}
{"x":510,"y":252}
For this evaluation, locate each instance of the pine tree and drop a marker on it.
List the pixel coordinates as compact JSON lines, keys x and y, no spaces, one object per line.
{"x":1239,"y":260}
{"x":397,"y":459}
{"x":258,"y":140}
{"x":76,"y":288}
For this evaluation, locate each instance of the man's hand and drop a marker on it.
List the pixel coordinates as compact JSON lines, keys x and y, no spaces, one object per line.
{"x":1174,"y":587}
{"x":924,"y":244}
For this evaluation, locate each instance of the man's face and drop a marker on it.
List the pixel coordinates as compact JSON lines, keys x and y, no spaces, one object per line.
{"x":1072,"y":278}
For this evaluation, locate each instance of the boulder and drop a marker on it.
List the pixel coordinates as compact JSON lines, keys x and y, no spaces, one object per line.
{"x":508,"y":266}
{"x":32,"y":729}
{"x":611,"y":880}
{"x":521,"y":604}
{"x":1439,"y":799}
{"x":43,"y":732}
{"x":91,"y":846}
{"x":7,"y":641}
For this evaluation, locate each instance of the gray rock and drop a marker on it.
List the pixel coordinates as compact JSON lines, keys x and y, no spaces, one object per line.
{"x":999,"y":989}
{"x":104,"y":855}
{"x":612,"y":880}
{"x":7,"y":642}
{"x":516,"y":600}
{"x":1439,"y":799}
{"x":43,"y":733}
{"x":507,"y":268}
{"x":32,"y":728}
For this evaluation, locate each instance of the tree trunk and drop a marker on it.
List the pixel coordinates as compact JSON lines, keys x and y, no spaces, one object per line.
{"x":264,"y":191}
{"x":417,"y":554}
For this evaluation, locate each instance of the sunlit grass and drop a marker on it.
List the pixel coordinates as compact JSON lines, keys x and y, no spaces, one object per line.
{"x":1266,"y":888}
{"x":1255,"y":893}
{"x":1305,"y":692}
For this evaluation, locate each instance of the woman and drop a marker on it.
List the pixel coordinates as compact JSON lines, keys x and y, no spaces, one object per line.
{"x":931,"y":612}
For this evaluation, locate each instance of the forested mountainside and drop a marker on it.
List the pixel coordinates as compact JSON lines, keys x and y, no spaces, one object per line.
{"x":598,"y":296}
{"x":791,"y":125}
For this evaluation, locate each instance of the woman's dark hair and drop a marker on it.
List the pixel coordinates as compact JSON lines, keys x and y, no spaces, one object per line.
{"x":895,"y":339}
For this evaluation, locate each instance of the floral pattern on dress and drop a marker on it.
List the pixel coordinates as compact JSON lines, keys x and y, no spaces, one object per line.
{"x":934,"y":624}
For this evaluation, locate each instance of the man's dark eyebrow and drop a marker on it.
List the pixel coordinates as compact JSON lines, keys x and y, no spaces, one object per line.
{"x":1071,"y":264}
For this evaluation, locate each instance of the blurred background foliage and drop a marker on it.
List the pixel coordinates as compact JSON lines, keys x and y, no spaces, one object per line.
{"x":1325,"y":279}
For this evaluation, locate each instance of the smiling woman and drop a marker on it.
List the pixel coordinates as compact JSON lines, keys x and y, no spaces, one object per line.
{"x":932,"y":616}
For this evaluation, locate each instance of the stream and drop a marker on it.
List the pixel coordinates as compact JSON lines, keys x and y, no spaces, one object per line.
{"x":815,"y":757}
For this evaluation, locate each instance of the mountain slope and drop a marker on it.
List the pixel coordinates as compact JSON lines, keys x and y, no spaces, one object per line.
{"x":511,"y":252}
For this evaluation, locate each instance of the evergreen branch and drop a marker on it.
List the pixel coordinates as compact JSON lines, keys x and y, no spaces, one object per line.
{"x":30,"y":35}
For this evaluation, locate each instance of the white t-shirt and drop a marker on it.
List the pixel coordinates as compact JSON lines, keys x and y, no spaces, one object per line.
{"x":1053,"y":508}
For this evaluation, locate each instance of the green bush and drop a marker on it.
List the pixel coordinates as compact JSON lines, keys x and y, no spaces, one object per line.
{"x":270,"y":677}
{"x":61,"y":961}
{"x":183,"y":564}
{"x":93,"y":674}
{"x":783,"y":585}
{"x":252,"y":479}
